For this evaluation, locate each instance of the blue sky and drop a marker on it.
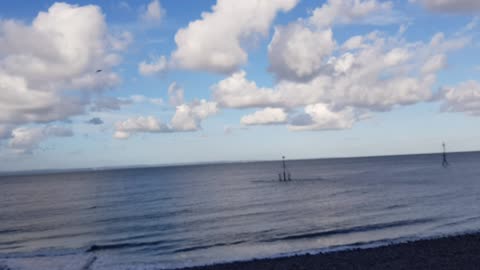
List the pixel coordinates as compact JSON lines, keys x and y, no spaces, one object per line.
{"x":201,"y":81}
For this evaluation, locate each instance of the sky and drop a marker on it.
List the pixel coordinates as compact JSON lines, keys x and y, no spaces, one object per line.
{"x":119,"y":83}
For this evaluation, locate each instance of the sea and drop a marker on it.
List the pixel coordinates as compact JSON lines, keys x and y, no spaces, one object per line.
{"x":178,"y":216}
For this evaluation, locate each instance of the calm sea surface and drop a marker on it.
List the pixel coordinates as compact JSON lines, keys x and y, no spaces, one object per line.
{"x":155,"y":218}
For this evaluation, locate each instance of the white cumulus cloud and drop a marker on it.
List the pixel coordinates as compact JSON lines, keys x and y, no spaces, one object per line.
{"x":26,"y":140}
{"x":188,"y":117}
{"x":322,"y":117}
{"x":267,"y":116}
{"x":237,"y":92}
{"x":297,"y":52}
{"x":214,"y":42}
{"x":465,"y":97}
{"x":124,"y":129}
{"x":48,"y":67}
{"x":370,"y":73}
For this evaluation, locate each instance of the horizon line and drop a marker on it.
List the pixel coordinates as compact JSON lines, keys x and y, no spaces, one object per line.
{"x":180,"y":164}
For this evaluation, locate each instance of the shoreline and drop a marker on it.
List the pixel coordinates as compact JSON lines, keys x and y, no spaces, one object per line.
{"x":448,"y":252}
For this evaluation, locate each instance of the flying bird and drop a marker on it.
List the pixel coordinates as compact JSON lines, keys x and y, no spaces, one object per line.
{"x":99,"y":70}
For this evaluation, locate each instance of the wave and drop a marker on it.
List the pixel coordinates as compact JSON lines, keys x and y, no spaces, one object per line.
{"x":6,"y":231}
{"x":458,"y":222}
{"x":208,"y":246}
{"x":4,"y":267}
{"x":332,"y":249}
{"x":143,"y":216}
{"x":395,"y":206}
{"x":96,"y":247}
{"x":45,"y":252}
{"x":9,"y":243}
{"x":89,"y":260}
{"x":371,"y":227}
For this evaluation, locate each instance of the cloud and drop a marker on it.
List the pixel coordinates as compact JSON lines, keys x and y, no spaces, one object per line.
{"x":267,"y":116}
{"x":237,"y":92}
{"x":297,"y":52}
{"x":154,"y":12}
{"x":26,"y":140}
{"x":349,"y":11}
{"x":95,"y":121}
{"x":156,"y":66}
{"x":47,"y":68}
{"x":175,"y":94}
{"x":362,"y":86}
{"x":434,"y":63}
{"x":322,"y":117}
{"x":451,"y":6}
{"x":19,"y":103}
{"x":369,"y":73}
{"x":464,"y":97}
{"x":105,"y":103}
{"x":188,"y":117}
{"x":124,"y":129}
{"x":214,"y":42}
{"x":338,"y":85}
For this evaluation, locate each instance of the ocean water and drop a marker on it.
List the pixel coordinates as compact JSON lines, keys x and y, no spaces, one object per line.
{"x":168,"y":217}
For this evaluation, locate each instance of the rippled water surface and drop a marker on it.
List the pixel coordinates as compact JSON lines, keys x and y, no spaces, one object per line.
{"x":191,"y":215}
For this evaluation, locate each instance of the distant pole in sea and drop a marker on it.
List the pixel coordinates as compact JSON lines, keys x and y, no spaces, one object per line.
{"x":444,"y":162}
{"x":285,"y":175}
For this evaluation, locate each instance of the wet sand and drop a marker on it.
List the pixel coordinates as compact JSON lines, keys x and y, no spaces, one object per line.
{"x":455,"y":252}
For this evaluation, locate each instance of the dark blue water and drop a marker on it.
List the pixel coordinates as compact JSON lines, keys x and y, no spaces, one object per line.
{"x":165,"y":217}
